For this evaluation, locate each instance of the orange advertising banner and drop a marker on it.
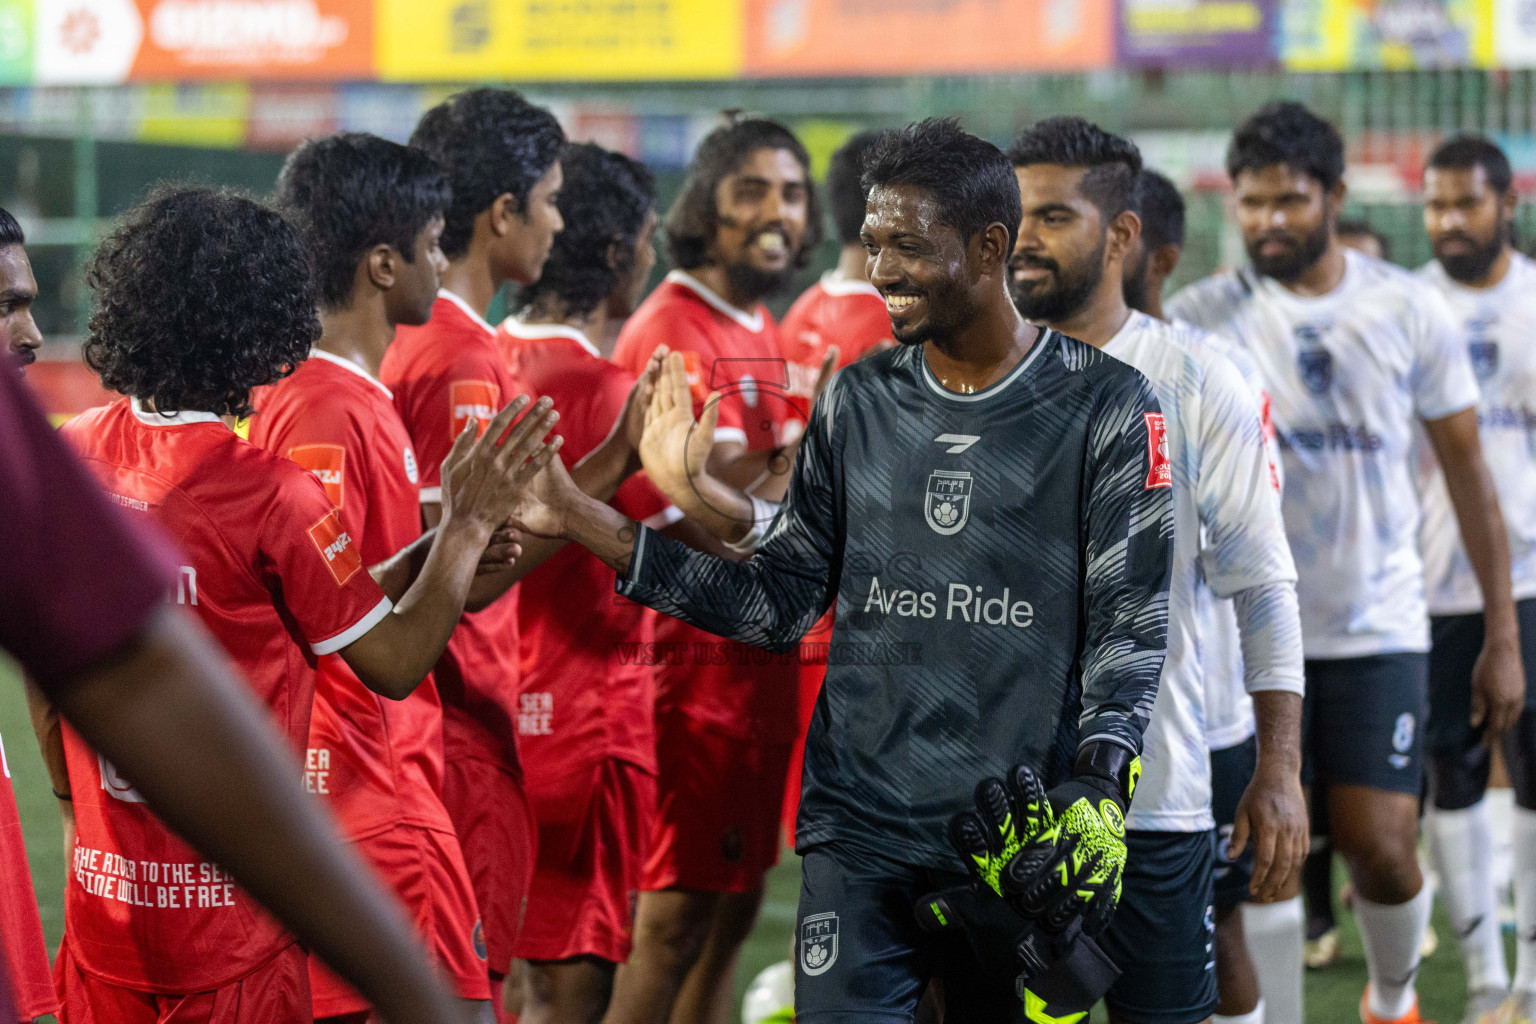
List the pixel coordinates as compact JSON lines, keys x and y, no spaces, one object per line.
{"x":904,"y":37}
{"x":111,"y":41}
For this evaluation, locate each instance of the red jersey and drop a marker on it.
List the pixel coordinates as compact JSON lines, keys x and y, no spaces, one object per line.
{"x":441,"y":374}
{"x":378,"y":761}
{"x":588,"y":688}
{"x":21,"y":931}
{"x":271,"y":571}
{"x":735,"y":689}
{"x":848,"y":314}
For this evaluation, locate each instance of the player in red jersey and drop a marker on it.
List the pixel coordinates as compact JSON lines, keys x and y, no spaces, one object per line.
{"x":586,"y":733}
{"x":746,"y":218}
{"x":501,"y":157}
{"x":371,"y":212}
{"x":152,"y":931}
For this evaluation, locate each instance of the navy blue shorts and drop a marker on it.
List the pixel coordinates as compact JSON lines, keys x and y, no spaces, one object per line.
{"x":860,"y":955}
{"x":1362,"y":722}
{"x":1457,"y":641}
{"x":1232,"y":769}
{"x":1163,"y":937}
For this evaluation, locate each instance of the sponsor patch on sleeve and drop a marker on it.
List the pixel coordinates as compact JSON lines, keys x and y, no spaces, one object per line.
{"x":694,"y":367}
{"x":478,"y":398}
{"x":328,"y":462}
{"x":336,"y":547}
{"x":1159,"y":469}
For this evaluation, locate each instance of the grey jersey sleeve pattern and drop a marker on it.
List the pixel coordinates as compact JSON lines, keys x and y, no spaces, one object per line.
{"x":1129,"y":552}
{"x":772,"y":600}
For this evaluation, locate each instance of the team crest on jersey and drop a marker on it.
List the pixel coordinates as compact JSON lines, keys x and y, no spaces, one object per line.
{"x":411,"y":472}
{"x":329,"y":464}
{"x":818,"y":943}
{"x":1316,"y":368}
{"x":947,"y":503}
{"x":1485,"y":358}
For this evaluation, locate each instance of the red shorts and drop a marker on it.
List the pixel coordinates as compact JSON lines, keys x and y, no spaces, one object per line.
{"x":588,"y":872}
{"x":496,"y":831}
{"x":426,"y":870}
{"x":275,"y":993}
{"x":718,"y":805}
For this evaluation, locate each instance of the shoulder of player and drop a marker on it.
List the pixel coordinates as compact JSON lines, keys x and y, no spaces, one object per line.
{"x":1210,"y":299}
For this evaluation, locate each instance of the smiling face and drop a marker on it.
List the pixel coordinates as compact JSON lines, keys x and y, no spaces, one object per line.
{"x":1058,"y":259}
{"x":761,"y":213}
{"x":1467,"y":221}
{"x":920,"y":265}
{"x":1286,"y":217}
{"x":18,"y":291}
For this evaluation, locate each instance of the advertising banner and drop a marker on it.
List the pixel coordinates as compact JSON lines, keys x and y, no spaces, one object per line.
{"x":104,"y":42}
{"x":1196,"y":33}
{"x":1392,"y":35}
{"x":459,"y":40}
{"x":15,"y":42}
{"x":914,"y":37}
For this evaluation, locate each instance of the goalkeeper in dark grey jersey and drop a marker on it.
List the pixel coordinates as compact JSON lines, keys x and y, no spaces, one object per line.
{"x":988,"y":507}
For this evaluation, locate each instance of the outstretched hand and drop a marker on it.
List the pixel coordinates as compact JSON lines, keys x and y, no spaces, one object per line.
{"x":674,"y":447}
{"x":483,"y":479}
{"x":637,"y":405}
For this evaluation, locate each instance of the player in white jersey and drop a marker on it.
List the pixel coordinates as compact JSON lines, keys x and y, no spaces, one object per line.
{"x":1354,"y":351}
{"x":1076,"y":181}
{"x":1258,"y":950}
{"x":1468,"y":206}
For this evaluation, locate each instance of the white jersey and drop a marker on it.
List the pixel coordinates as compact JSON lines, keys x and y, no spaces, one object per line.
{"x":1227,"y":537}
{"x":1228,"y":708}
{"x":1498,"y":327}
{"x":1348,"y":374}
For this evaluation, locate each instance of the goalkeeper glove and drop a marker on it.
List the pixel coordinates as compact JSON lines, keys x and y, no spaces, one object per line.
{"x":1061,"y":871}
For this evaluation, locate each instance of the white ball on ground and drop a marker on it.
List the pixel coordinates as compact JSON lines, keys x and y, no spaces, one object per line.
{"x":770,"y":998}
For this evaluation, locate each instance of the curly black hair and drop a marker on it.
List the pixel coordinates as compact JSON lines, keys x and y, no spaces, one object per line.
{"x":693,"y":218}
{"x":1466,"y":151}
{"x":1285,"y":132}
{"x":489,"y":143}
{"x":349,"y":192}
{"x":201,"y":295}
{"x":845,"y":192}
{"x":10,"y":230}
{"x":1113,"y":162}
{"x":1158,"y":203}
{"x":970,"y":179}
{"x":603,"y":201}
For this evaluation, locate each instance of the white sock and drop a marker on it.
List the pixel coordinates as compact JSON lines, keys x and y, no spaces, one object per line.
{"x":1462,"y":848}
{"x":1391,"y":937}
{"x":1276,"y":934}
{"x":1524,"y":832}
{"x":1501,"y":811}
{"x":1253,"y":1016}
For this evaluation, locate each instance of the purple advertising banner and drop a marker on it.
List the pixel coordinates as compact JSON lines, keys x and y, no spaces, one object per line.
{"x":1196,"y":33}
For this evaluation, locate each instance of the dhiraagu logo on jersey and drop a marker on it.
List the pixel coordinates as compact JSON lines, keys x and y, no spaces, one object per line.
{"x":818,"y":943}
{"x":947,"y":503}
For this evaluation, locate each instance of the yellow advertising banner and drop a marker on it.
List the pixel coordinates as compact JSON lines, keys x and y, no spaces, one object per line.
{"x":543,"y":40}
{"x":1389,"y":35}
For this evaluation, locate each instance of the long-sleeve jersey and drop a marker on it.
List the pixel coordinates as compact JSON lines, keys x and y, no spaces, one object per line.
{"x":1000,"y":566}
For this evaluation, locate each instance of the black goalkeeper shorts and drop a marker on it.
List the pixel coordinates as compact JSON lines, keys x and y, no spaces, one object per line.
{"x":861,"y":957}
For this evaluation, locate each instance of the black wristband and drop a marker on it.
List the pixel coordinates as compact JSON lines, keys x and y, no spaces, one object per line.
{"x":1109,"y":768}
{"x":64,"y":796}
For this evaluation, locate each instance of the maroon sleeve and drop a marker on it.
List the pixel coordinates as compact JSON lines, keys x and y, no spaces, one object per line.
{"x":77,"y":579}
